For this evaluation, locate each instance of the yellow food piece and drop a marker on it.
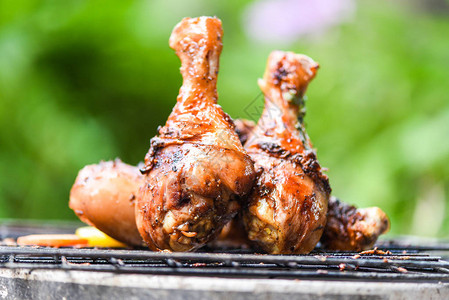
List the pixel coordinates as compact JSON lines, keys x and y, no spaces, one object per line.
{"x":96,"y":238}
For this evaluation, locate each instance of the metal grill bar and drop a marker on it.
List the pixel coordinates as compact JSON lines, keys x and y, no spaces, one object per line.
{"x":394,"y":266}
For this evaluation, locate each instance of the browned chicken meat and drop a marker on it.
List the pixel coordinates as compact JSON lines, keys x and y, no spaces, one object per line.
{"x":288,"y":206}
{"x":104,"y":196}
{"x":196,"y":169}
{"x":352,"y":229}
{"x":347,"y":228}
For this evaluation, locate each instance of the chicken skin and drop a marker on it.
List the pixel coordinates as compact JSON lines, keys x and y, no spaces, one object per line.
{"x":352,"y":229}
{"x":196,"y":169}
{"x":104,"y":196}
{"x":287,"y":208}
{"x":115,"y":185}
{"x":347,"y":228}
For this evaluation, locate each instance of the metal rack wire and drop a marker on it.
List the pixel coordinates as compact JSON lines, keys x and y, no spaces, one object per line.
{"x":396,"y":263}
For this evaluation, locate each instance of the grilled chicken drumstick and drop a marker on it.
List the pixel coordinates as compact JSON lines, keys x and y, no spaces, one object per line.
{"x":287,"y":208}
{"x":196,"y":169}
{"x":347,"y":228}
{"x":353,"y":229}
{"x":103,"y":196}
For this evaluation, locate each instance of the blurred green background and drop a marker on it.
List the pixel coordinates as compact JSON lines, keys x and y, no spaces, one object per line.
{"x":82,"y":81}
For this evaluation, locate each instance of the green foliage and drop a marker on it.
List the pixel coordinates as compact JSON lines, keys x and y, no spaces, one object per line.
{"x":82,"y":81}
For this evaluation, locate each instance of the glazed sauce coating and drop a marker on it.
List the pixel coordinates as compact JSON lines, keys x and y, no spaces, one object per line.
{"x":196,"y":169}
{"x":347,"y":228}
{"x":288,"y":205}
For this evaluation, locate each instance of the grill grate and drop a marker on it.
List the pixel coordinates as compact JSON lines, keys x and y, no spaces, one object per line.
{"x":399,"y":263}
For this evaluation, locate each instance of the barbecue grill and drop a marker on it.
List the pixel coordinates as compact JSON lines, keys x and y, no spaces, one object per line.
{"x":397,"y":270}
